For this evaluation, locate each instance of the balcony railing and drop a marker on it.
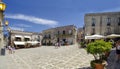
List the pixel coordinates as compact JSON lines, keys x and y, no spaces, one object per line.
{"x":63,"y":35}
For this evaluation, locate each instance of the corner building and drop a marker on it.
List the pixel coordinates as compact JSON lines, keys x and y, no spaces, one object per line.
{"x":105,"y":23}
{"x":66,"y":35}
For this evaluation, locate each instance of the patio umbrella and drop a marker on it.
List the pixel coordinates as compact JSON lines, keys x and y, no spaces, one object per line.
{"x":97,"y":36}
{"x":94,"y":37}
{"x":88,"y":37}
{"x":113,"y":36}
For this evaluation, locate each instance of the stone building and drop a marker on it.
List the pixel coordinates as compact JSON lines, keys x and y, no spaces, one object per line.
{"x":80,"y":34}
{"x":105,"y":23}
{"x":64,"y":35}
{"x":21,"y":38}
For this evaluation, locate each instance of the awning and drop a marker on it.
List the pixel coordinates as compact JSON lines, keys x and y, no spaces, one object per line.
{"x":33,"y":42}
{"x":18,"y":35}
{"x":19,"y":43}
{"x":27,"y":37}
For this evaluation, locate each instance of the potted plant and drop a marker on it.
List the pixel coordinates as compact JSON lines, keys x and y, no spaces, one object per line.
{"x":98,"y":48}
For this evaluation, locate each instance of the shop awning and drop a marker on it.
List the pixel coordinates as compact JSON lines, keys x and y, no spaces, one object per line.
{"x":18,"y":35}
{"x":27,"y":37}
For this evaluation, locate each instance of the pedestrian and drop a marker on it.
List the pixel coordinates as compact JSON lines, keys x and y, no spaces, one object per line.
{"x":10,"y":49}
{"x":59,"y":44}
{"x":13,"y":49}
{"x":118,"y":50}
{"x":113,"y":43}
{"x":56,"y":45}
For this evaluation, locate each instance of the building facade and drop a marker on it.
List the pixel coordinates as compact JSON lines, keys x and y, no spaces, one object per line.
{"x":64,"y":35}
{"x":102,"y":23}
{"x":21,"y":38}
{"x":80,"y":34}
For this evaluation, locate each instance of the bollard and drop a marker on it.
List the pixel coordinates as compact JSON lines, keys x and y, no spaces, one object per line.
{"x":3,"y":51}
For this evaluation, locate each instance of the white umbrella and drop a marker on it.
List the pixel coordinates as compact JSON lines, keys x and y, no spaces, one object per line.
{"x":113,"y":35}
{"x":94,"y":37}
{"x":88,"y":37}
{"x":97,"y":36}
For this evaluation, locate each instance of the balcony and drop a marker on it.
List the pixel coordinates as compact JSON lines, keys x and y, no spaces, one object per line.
{"x":63,"y":35}
{"x":108,"y":24}
{"x":46,"y":37}
{"x":93,"y":24}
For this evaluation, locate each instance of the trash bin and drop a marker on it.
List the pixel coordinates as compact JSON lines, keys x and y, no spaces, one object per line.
{"x":3,"y":51}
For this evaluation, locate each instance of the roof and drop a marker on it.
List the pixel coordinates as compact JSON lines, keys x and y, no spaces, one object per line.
{"x":103,"y":13}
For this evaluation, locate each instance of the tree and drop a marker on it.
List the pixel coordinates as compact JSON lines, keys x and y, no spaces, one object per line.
{"x":98,"y":48}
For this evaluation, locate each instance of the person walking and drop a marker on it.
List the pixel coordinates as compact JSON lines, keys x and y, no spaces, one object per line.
{"x":10,"y":49}
{"x":13,"y":49}
{"x":56,"y":45}
{"x":59,"y":44}
{"x":118,"y":50}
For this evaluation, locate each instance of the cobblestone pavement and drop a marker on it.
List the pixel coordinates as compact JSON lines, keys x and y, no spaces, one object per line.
{"x":47,"y":57}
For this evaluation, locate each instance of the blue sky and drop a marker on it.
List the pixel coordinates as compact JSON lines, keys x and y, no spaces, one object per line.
{"x":38,"y":15}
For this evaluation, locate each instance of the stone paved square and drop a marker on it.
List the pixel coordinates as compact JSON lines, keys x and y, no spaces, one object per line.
{"x":47,"y":57}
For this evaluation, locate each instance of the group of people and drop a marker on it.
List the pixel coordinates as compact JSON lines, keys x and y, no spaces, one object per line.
{"x":11,"y":49}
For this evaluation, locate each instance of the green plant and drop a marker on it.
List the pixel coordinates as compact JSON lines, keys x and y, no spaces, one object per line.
{"x":98,"y":48}
{"x":82,"y":44}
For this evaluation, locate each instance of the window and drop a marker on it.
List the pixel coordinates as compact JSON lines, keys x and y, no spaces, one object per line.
{"x":45,"y":36}
{"x":108,"y":31}
{"x":119,"y":21}
{"x":58,"y":32}
{"x":93,"y":21}
{"x":93,"y":31}
{"x":17,"y":39}
{"x":49,"y":36}
{"x":63,"y":31}
{"x":26,"y":39}
{"x":70,"y":31}
{"x":108,"y":21}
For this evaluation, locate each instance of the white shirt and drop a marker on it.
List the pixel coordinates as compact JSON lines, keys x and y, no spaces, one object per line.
{"x":118,"y":47}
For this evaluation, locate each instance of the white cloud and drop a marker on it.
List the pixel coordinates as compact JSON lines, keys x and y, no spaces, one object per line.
{"x":32,"y":19}
{"x":16,"y":28}
{"x":22,"y":25}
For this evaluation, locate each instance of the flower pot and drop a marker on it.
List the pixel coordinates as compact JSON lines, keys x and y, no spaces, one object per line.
{"x":99,"y":66}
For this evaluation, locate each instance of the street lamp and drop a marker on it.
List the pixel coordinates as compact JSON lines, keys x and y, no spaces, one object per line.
{"x":2,"y":6}
{"x":2,"y":9}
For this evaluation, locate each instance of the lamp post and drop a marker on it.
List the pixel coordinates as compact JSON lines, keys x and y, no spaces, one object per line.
{"x":2,"y":9}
